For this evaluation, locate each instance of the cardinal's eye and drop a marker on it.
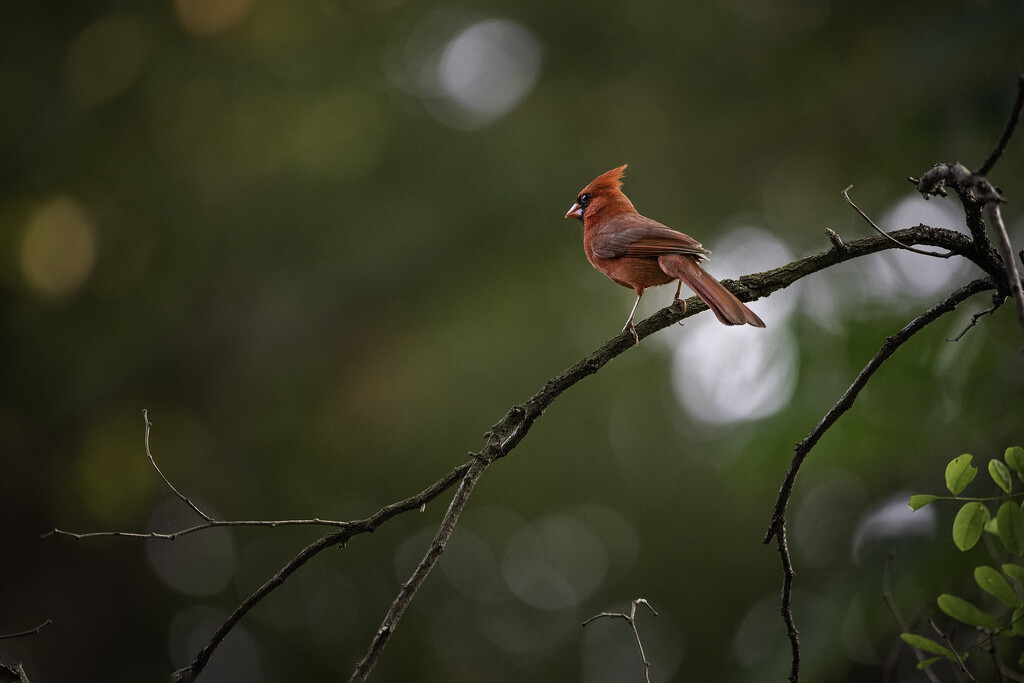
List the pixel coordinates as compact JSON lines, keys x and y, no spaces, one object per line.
{"x":583,"y":200}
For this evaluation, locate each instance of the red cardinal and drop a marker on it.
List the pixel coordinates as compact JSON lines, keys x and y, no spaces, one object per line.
{"x":638,"y":252}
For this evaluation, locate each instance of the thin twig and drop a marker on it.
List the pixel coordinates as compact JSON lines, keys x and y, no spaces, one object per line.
{"x":631,"y":620}
{"x":339,"y":538}
{"x":170,"y":536}
{"x":1011,"y":123}
{"x":29,"y":632}
{"x":890,"y":602}
{"x":845,"y":402}
{"x":777,"y":526}
{"x":419,"y":575}
{"x":998,"y":301}
{"x":995,"y":218}
{"x":952,"y":648}
{"x":786,"y":607}
{"x":208,"y":524}
{"x":846,"y":194}
{"x":152,"y":461}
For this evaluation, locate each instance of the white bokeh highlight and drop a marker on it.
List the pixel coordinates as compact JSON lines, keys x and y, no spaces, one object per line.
{"x":467,"y":73}
{"x":723,"y":374}
{"x":890,"y":520}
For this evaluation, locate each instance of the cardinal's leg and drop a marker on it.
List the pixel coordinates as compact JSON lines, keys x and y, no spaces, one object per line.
{"x":677,"y":300}
{"x":629,"y":323}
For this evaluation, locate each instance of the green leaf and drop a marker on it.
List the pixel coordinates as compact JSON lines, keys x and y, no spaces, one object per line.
{"x":1000,"y":474}
{"x":1014,"y":457}
{"x":1017,"y":623}
{"x":960,"y":473}
{"x":993,"y":583}
{"x":1014,"y":571}
{"x":926,"y":644}
{"x":1011,"y":527}
{"x":919,"y":501}
{"x":968,"y":525}
{"x":928,"y":662}
{"x":963,"y":611}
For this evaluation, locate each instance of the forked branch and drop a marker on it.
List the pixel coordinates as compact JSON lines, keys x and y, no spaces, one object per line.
{"x":631,"y":620}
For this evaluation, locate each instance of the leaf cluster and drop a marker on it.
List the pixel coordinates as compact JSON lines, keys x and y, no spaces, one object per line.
{"x":972,"y":521}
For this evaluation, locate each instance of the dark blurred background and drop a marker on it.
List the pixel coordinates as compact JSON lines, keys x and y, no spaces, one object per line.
{"x":322,"y":243}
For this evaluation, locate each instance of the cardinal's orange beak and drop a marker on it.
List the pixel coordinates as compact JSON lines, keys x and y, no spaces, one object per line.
{"x":575,"y":212}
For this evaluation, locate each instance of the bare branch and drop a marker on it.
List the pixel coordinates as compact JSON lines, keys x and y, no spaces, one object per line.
{"x":210,"y":522}
{"x":845,"y":402}
{"x":514,"y":427}
{"x":631,"y":620}
{"x":846,"y":194}
{"x":786,"y":609}
{"x":268,"y":523}
{"x":777,"y":527}
{"x":29,"y":632}
{"x":16,"y":672}
{"x":972,"y":197}
{"x":1011,"y":123}
{"x":152,"y":461}
{"x":995,"y":218}
{"x":952,"y":648}
{"x":996,"y":303}
{"x":419,"y":575}
{"x":339,"y":538}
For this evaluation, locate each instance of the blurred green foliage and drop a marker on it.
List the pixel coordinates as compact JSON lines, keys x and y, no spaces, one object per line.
{"x":278,"y":228}
{"x":993,"y":627}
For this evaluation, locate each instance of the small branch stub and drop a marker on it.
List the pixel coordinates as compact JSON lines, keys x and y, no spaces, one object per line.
{"x":27,"y":632}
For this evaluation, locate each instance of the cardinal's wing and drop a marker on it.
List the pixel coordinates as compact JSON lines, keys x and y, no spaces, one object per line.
{"x":631,"y":234}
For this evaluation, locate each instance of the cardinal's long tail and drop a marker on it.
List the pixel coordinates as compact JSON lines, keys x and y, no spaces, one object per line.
{"x":726,"y":307}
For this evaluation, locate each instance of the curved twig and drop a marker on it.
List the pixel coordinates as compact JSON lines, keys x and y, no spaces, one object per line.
{"x":152,"y":461}
{"x":777,"y":526}
{"x":846,"y":195}
{"x":1011,"y":124}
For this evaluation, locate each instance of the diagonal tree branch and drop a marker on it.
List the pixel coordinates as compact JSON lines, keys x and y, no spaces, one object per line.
{"x":515,"y":425}
{"x":1011,"y":124}
{"x":410,"y":587}
{"x":339,"y":538}
{"x":1006,"y":252}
